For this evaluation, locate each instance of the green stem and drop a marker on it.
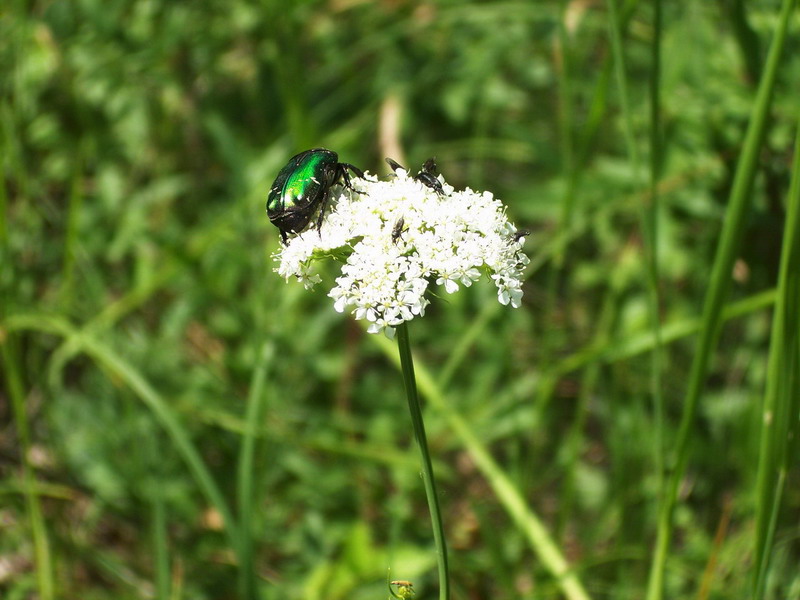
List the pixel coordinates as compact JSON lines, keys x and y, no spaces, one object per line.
{"x":72,"y":234}
{"x":256,"y":401}
{"x":650,"y":229}
{"x":10,"y":367}
{"x":779,"y":421}
{"x":509,"y":495}
{"x":160,"y":546}
{"x":649,"y":211}
{"x":427,"y":468}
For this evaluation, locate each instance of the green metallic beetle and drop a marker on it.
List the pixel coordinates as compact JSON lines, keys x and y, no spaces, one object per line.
{"x":303,"y":186}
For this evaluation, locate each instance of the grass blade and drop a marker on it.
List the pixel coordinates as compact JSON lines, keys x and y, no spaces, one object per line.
{"x":650,"y":231}
{"x":160,"y":547}
{"x":779,"y":423}
{"x":649,"y":211}
{"x":41,"y":545}
{"x":733,"y":226}
{"x":245,"y":476}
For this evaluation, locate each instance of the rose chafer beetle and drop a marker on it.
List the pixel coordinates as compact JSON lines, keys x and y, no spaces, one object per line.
{"x":303,"y":186}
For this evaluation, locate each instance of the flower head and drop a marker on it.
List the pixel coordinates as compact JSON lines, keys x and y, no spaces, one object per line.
{"x":399,"y":237}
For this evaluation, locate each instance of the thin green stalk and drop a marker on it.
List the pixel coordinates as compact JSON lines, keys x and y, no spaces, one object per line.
{"x":779,"y":423}
{"x":650,"y":229}
{"x":5,"y":167}
{"x":649,"y":211}
{"x":10,"y":366}
{"x":410,"y":382}
{"x":505,"y":490}
{"x":566,"y":138}
{"x":733,"y":226}
{"x":9,"y":358}
{"x":762,"y":557}
{"x":619,"y":70}
{"x":574,"y":441}
{"x":71,"y":233}
{"x":41,"y":546}
{"x":569,"y":172}
{"x":160,"y":546}
{"x":245,"y":474}
{"x":745,"y":36}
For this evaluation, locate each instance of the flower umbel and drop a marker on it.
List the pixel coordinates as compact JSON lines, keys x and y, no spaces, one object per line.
{"x":398,"y":236}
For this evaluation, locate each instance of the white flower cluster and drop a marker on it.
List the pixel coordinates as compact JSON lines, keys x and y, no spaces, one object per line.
{"x":396,"y":237}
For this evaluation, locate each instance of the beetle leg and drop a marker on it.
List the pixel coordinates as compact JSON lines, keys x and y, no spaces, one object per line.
{"x":359,"y":173}
{"x":342,"y":170}
{"x":321,"y":216}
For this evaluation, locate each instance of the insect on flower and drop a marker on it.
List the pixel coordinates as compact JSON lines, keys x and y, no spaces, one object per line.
{"x":519,"y":234}
{"x":427,"y":176}
{"x":397,"y":230}
{"x":405,"y":589}
{"x":303,"y":186}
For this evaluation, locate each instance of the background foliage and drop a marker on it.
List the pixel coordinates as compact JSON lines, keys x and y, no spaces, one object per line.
{"x":140,"y":315}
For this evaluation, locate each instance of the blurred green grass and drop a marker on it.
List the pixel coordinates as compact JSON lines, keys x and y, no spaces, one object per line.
{"x":138,"y":142}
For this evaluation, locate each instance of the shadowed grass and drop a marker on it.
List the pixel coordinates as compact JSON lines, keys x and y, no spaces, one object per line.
{"x":116,"y":365}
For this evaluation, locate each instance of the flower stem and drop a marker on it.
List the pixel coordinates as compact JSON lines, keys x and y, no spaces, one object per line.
{"x":427,"y":469}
